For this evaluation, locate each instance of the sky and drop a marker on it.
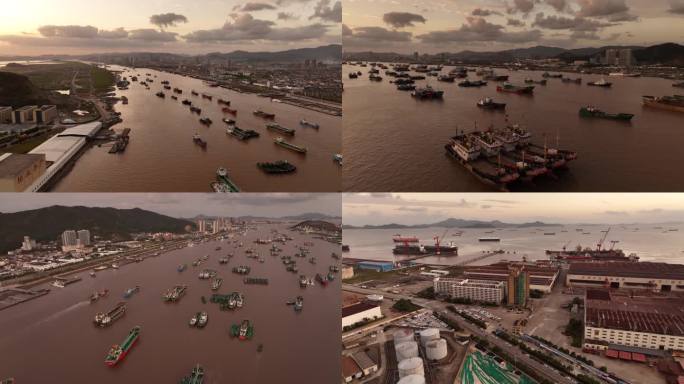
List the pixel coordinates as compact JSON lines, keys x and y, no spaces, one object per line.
{"x":37,"y":27}
{"x":557,"y":208}
{"x":407,"y":26}
{"x":186,"y":205}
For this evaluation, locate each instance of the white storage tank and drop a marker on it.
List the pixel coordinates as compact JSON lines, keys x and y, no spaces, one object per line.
{"x":406,"y":350}
{"x":428,"y":334}
{"x":412,"y":379}
{"x":403,"y":335}
{"x":412,"y":366}
{"x":436,"y":349}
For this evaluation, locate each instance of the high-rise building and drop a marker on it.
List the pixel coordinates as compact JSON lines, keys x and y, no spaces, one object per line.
{"x":620,"y":57}
{"x":518,"y":287}
{"x":84,"y":237}
{"x":217,"y":226}
{"x":201,"y":225}
{"x":28,"y":244}
{"x":69,"y":238}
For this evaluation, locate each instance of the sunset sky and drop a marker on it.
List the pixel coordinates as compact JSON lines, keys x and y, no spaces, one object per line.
{"x":36,"y":27}
{"x":564,"y":208}
{"x":435,"y":26}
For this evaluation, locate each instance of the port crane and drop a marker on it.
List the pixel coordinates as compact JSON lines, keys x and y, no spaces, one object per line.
{"x":600,"y":243}
{"x":437,"y":239}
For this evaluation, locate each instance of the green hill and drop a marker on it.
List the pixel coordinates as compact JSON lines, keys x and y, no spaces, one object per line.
{"x":17,"y":90}
{"x":46,"y":224}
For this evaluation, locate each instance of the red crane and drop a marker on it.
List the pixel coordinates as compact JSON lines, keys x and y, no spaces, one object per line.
{"x":437,"y":239}
{"x":600,"y":243}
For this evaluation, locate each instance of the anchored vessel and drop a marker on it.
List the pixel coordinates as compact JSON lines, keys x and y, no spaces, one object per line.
{"x":427,"y":93}
{"x":119,"y":352}
{"x":263,"y":114}
{"x":196,"y":376}
{"x":671,"y":103}
{"x":489,"y":103}
{"x":174,"y":294}
{"x":591,"y":111}
{"x":280,"y":128}
{"x":280,"y":166}
{"x":106,"y":319}
{"x":310,"y":124}
{"x":243,"y":331}
{"x":223,"y":182}
{"x":519,"y":89}
{"x":293,"y":147}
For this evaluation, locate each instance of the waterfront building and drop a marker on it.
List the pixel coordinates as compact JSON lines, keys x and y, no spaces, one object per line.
{"x":518,"y":287}
{"x":367,"y":365}
{"x":619,"y":57}
{"x":476,"y":290}
{"x":19,"y":171}
{"x":350,"y":370}
{"x":201,"y":225}
{"x":28,"y":244}
{"x":657,"y":277}
{"x":5,"y":115}
{"x":69,"y":238}
{"x":541,"y":277}
{"x":84,"y":237}
{"x":379,"y":266}
{"x":354,"y":313}
{"x":45,"y":114}
{"x":347,"y":272}
{"x":613,"y":319}
{"x":24,"y":115}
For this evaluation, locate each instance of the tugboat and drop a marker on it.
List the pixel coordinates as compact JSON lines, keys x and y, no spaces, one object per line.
{"x":196,"y":376}
{"x":222,"y":177}
{"x":338,"y":158}
{"x":591,"y":111}
{"x":489,"y":103}
{"x":600,"y":83}
{"x":198,"y":140}
{"x":244,"y":331}
{"x":280,"y":128}
{"x":305,"y":123}
{"x":520,"y":90}
{"x":119,"y":352}
{"x":281,"y":142}
{"x":262,"y":114}
{"x":427,"y":93}
{"x":280,"y":166}
{"x":299,"y":304}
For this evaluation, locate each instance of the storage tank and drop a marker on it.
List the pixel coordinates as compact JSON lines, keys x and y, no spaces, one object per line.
{"x":406,"y":350}
{"x":402,"y":335}
{"x":436,"y":349}
{"x":412,"y":379}
{"x":411,"y":366}
{"x":428,"y":334}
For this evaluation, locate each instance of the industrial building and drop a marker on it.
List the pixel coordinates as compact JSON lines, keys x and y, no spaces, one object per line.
{"x":613,"y":319}
{"x":347,"y":272}
{"x":541,"y":277}
{"x":367,"y":365}
{"x":24,"y":115}
{"x":657,"y":277}
{"x":518,"y":287}
{"x":350,"y":370}
{"x":19,"y":171}
{"x":475,"y":290}
{"x":358,"y":312}
{"x":5,"y":115}
{"x":45,"y":114}
{"x":379,"y":266}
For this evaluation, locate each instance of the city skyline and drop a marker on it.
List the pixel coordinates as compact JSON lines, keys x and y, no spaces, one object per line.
{"x":34,"y":28}
{"x":186,"y":205}
{"x":404,"y":26}
{"x":590,"y":208}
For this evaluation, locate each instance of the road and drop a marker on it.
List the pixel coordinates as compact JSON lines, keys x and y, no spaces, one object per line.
{"x":512,"y":352}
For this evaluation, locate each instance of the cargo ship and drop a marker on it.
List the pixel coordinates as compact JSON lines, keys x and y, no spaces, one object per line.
{"x":160,"y":94}
{"x":243,"y":331}
{"x":489,"y":103}
{"x":281,"y":142}
{"x":532,"y":81}
{"x":280,"y":166}
{"x":174,"y":294}
{"x":474,"y":83}
{"x":569,"y":80}
{"x":427,"y":93}
{"x":310,"y":124}
{"x":106,"y":319}
{"x":197,"y":139}
{"x":671,"y":103}
{"x":279,"y":128}
{"x":196,"y":376}
{"x":224,"y":102}
{"x":130,"y":291}
{"x":517,"y":89}
{"x":223,"y":178}
{"x":206,"y":121}
{"x":241,"y":134}
{"x":262,"y":114}
{"x":591,"y":111}
{"x":216,"y":283}
{"x":241,"y":270}
{"x":118,"y":352}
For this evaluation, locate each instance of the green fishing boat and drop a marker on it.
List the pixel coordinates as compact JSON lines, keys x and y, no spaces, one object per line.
{"x":591,"y":111}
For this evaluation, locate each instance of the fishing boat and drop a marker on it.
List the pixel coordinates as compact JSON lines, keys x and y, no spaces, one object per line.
{"x":474,"y":83}
{"x":196,"y":110}
{"x":293,"y":147}
{"x":105,"y":319}
{"x":299,"y":303}
{"x":216,"y":283}
{"x":279,"y":128}
{"x":671,"y":103}
{"x":182,"y":267}
{"x":517,"y":89}
{"x":206,"y":121}
{"x":243,"y":331}
{"x":186,"y":102}
{"x":130,"y":291}
{"x":280,"y":166}
{"x":569,"y":80}
{"x":118,"y":352}
{"x":160,"y":94}
{"x":194,"y":93}
{"x":222,"y":101}
{"x":591,"y":111}
{"x":337,"y":158}
{"x":197,"y":139}
{"x":600,"y":83}
{"x":309,"y":124}
{"x":353,"y":75}
{"x":196,"y":376}
{"x":427,"y":93}
{"x":489,"y":103}
{"x":223,"y":177}
{"x":262,"y":114}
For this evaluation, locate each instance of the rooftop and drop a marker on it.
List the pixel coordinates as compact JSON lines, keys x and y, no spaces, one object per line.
{"x":14,"y":164}
{"x":659,"y":315}
{"x":349,"y":367}
{"x":645,"y":270}
{"x":363,"y":360}
{"x":357,"y":308}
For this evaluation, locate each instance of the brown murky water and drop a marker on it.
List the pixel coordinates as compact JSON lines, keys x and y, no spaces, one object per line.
{"x":162,"y":157}
{"x":52,"y":338}
{"x":393,"y":142}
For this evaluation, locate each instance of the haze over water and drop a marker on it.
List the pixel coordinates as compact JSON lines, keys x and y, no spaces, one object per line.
{"x":161,"y":156}
{"x":649,"y":243}
{"x":53,"y":336}
{"x":393,"y":142}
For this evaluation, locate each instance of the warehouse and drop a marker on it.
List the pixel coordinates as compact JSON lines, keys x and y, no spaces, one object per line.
{"x":657,"y":277}
{"x":379,"y":266}
{"x":358,"y":312}
{"x":541,"y":278}
{"x":615,"y":319}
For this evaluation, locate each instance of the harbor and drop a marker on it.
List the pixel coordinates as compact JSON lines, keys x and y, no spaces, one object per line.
{"x":69,"y":313}
{"x":141,"y":164}
{"x":609,"y":140}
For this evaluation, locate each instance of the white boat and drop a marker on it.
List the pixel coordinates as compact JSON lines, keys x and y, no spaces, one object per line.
{"x":58,"y":284}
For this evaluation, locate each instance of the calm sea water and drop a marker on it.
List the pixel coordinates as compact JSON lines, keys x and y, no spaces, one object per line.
{"x":649,"y":243}
{"x":53,"y":336}
{"x":162,"y":157}
{"x":393,"y":142}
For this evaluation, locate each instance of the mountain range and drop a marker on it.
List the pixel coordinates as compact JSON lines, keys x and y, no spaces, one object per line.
{"x":667,"y":53}
{"x":456,"y":223}
{"x":47,"y":224}
{"x":301,"y":217}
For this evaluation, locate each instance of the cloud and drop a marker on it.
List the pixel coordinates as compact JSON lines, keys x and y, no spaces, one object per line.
{"x":478,"y":29}
{"x":70,"y":31}
{"x":558,"y":5}
{"x":404,"y":208}
{"x":379,"y":34}
{"x":676,"y":7}
{"x":346,"y":31}
{"x":484,"y":12}
{"x":325,"y":12}
{"x":148,"y":34}
{"x":585,"y":35}
{"x":613,"y":10}
{"x":287,"y":16}
{"x":523,"y":6}
{"x":402,"y":19}
{"x":254,"y":7}
{"x":515,"y":23}
{"x":118,"y":33}
{"x":560,"y":22}
{"x":245,"y":27}
{"x":167,"y":19}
